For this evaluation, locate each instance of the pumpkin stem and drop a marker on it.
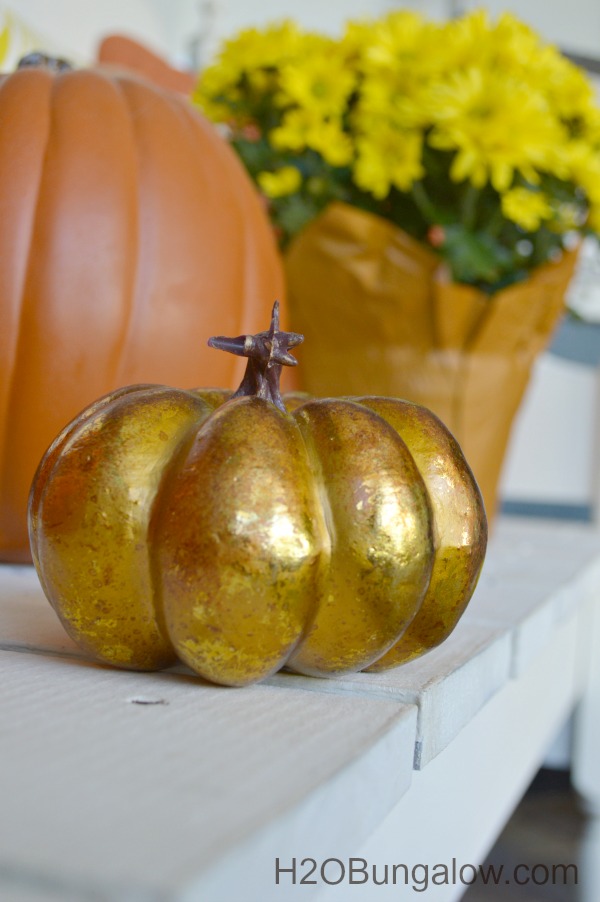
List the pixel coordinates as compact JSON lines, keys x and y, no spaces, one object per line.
{"x":267,"y":352}
{"x":37,"y":59}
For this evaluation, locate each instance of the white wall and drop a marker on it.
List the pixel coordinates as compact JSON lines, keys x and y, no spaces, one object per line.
{"x":171,"y":26}
{"x":553,"y":454}
{"x":74,"y":27}
{"x":204,"y":23}
{"x":572,"y":24}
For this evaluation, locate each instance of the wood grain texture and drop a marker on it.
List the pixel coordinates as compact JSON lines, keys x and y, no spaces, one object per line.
{"x":147,"y":787}
{"x":458,"y":804}
{"x":449,"y":685}
{"x":537,"y":574}
{"x":126,"y":783}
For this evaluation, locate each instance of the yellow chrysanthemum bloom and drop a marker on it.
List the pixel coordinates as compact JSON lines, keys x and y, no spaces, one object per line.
{"x":401,"y":55}
{"x":254,"y":48}
{"x":388,"y":158}
{"x":526,"y":208}
{"x":330,"y":140}
{"x":293,"y":132}
{"x":497,"y":126}
{"x":304,"y":128}
{"x":473,"y":40}
{"x":357,"y":36}
{"x":593,"y":220}
{"x":584,"y":168}
{"x":285,"y":181}
{"x":399,"y":40}
{"x":401,"y":99}
{"x":503,"y":107}
{"x":570,"y":94}
{"x":322,"y":82}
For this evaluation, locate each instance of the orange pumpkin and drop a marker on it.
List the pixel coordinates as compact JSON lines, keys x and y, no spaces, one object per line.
{"x":128,"y":229}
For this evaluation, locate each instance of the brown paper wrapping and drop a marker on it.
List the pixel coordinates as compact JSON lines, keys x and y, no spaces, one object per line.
{"x":381,"y":316}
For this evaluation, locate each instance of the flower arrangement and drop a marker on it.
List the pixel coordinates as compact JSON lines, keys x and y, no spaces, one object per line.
{"x":473,"y":136}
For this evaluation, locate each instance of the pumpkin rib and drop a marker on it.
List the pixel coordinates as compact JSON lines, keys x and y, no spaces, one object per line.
{"x":59,"y":260}
{"x":173,"y":173}
{"x":8,"y":381}
{"x":129,"y":257}
{"x":253,"y":228}
{"x":130,"y":294}
{"x":46,"y":466}
{"x":257,"y":564}
{"x":394,"y":578}
{"x":136,"y":294}
{"x":167,"y":480}
{"x":198,"y":130}
{"x":71,"y":515}
{"x":459,"y":537}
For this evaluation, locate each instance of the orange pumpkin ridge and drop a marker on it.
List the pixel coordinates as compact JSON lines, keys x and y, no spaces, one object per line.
{"x":128,"y":229}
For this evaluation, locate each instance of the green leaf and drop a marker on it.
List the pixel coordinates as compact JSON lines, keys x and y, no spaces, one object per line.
{"x":293,"y":213}
{"x":474,"y":256}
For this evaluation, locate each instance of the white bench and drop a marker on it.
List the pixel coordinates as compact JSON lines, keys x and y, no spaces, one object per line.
{"x":131,"y":787}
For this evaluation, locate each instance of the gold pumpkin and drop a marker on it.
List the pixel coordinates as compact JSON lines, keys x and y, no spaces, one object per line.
{"x":241,"y":536}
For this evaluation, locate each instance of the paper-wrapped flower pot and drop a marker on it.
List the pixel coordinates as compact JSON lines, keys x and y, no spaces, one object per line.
{"x":381,"y":316}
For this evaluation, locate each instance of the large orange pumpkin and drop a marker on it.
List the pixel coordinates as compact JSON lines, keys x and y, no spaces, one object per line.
{"x":127,"y":230}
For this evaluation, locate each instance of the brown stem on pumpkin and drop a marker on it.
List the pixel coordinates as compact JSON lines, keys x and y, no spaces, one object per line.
{"x":267,"y":352}
{"x":37,"y":59}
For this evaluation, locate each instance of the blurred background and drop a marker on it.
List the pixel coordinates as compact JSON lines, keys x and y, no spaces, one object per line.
{"x":188,"y":31}
{"x":551,"y":467}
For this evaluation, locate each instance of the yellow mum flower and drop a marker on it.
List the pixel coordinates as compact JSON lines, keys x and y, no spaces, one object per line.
{"x":260,"y":49}
{"x":358,"y":36}
{"x":306,"y":128}
{"x":331,"y":142}
{"x":402,"y":55}
{"x":526,"y":208}
{"x":402,"y":101}
{"x":388,"y":158}
{"x":569,"y":92}
{"x":293,"y":132}
{"x":498,"y":126}
{"x":472,"y":40}
{"x":503,"y":107}
{"x":593,"y":220}
{"x":583,"y":163}
{"x":285,"y":181}
{"x":321,"y":82}
{"x":400,"y":39}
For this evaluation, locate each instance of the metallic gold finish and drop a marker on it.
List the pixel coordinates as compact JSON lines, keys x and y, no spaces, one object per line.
{"x":460,"y":526}
{"x":336,"y":535}
{"x":379,"y":522}
{"x":89,"y":516}
{"x":238,"y":538}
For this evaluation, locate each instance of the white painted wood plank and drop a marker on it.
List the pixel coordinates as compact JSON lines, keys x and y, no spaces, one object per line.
{"x":537,"y":573}
{"x":459,"y":803}
{"x":101,"y":794}
{"x":27,"y":620}
{"x":449,"y":685}
{"x":586,"y":738}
